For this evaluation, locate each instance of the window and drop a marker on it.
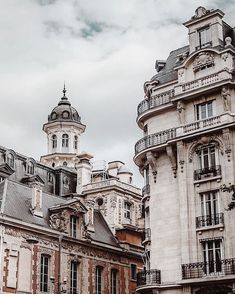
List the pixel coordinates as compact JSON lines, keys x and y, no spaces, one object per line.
{"x":65,"y":114}
{"x":204,"y":110}
{"x":204,"y":37}
{"x":114,"y":280}
{"x":2,"y":179}
{"x":127,"y":210}
{"x":76,"y":142}
{"x":65,"y":163}
{"x":212,"y":255}
{"x":53,"y":115}
{"x":10,"y":160}
{"x":50,"y":178}
{"x":207,"y":157}
{"x":133,"y":271}
{"x":98,"y":280}
{"x":73,"y":226}
{"x":54,"y":141}
{"x":53,"y":164}
{"x":30,"y":168}
{"x":74,"y":277}
{"x":66,"y":182}
{"x":65,"y":141}
{"x":210,"y":209}
{"x":44,"y":273}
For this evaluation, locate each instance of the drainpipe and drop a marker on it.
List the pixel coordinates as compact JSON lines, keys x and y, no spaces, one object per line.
{"x":59,"y":264}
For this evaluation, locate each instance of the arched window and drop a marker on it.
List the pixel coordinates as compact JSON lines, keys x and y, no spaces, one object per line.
{"x":65,"y":141}
{"x":65,"y":114}
{"x":76,"y":142}
{"x":30,"y":168}
{"x":11,"y":160}
{"x":65,"y":163}
{"x":54,"y":141}
{"x":127,"y":210}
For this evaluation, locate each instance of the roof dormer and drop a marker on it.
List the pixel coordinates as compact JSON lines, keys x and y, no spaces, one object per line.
{"x":205,"y":29}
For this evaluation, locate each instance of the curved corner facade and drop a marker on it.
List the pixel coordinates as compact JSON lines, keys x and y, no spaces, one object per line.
{"x":186,"y":155}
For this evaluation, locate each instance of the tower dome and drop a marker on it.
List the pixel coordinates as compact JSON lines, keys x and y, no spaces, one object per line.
{"x":63,"y":130}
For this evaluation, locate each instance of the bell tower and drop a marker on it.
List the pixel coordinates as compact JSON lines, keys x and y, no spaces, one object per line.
{"x":63,"y":130}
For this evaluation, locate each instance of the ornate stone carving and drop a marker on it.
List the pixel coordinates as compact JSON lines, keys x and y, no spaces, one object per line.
{"x":172,"y":157}
{"x":59,"y":221}
{"x":203,"y":60}
{"x":228,"y":41}
{"x":227,"y":143}
{"x":148,"y":87}
{"x":181,"y":157}
{"x":181,"y":112}
{"x":200,"y":11}
{"x":226,"y":98}
{"x":224,"y":56}
{"x":151,"y":160}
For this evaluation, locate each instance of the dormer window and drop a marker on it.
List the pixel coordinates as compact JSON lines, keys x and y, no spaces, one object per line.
{"x":73,"y":226}
{"x":204,"y":37}
{"x":127,"y":210}
{"x":53,"y":115}
{"x":50,"y":178}
{"x":30,"y":168}
{"x":65,"y":114}
{"x":11,"y":160}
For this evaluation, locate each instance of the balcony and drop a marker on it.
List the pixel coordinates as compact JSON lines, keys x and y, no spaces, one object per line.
{"x":209,"y":220}
{"x":155,"y":101}
{"x":207,"y":269}
{"x":212,"y":171}
{"x":155,"y":140}
{"x":202,"y":84}
{"x":149,"y":277}
{"x":162,"y":138}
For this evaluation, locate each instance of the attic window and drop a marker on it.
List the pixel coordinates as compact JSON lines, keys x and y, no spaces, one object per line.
{"x":204,"y":38}
{"x":30,"y":168}
{"x":50,"y":178}
{"x":53,"y":115}
{"x":11,"y":160}
{"x":127,"y":210}
{"x":65,"y":114}
{"x":66,"y":182}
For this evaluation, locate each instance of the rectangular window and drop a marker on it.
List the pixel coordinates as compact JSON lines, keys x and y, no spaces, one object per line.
{"x":204,"y":110}
{"x":212,"y":256}
{"x":127,"y":210}
{"x":133,"y":271}
{"x":114,"y":274}
{"x":73,"y":226}
{"x":204,"y":37}
{"x":207,"y":157}
{"x":98,"y":280}
{"x":44,"y":273}
{"x":210,"y":208}
{"x":74,"y":277}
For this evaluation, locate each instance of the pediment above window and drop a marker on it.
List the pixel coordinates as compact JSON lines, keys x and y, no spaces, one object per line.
{"x":34,"y":179}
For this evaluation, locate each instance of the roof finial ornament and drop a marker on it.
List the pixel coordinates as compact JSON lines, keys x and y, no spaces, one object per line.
{"x":64,"y":90}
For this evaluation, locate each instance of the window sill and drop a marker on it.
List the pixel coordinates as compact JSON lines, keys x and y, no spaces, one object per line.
{"x":212,"y":227}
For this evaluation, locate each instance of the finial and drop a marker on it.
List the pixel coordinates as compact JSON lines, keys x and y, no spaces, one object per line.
{"x":64,"y":90}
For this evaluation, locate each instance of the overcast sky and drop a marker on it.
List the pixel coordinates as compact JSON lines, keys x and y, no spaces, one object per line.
{"x":104,"y":50}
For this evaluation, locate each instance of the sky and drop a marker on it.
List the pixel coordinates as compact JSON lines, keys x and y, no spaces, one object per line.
{"x":104,"y":50}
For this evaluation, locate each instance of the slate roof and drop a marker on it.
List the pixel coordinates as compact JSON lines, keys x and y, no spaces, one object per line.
{"x":17,"y":204}
{"x":168,"y":73}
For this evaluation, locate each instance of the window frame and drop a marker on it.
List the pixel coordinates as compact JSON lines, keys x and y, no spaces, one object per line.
{"x":44,"y":273}
{"x":30,"y":168}
{"x":201,"y":113}
{"x":54,"y":141}
{"x":98,"y":280}
{"x":73,"y":226}
{"x":127,"y":210}
{"x":74,"y":277}
{"x":10,"y":159}
{"x":114,"y":281}
{"x":65,"y":141}
{"x":133,"y":271}
{"x":207,"y":156}
{"x":212,"y":255}
{"x":204,"y":37}
{"x":75,"y":142}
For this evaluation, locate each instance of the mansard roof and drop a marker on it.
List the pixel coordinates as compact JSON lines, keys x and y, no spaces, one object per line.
{"x":15,"y":199}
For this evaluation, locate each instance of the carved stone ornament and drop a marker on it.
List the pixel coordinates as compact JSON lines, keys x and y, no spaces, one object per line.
{"x":226,"y":98}
{"x":227,"y":143}
{"x":59,"y":221}
{"x":181,"y":112}
{"x":200,"y":11}
{"x":148,"y":87}
{"x":172,"y":157}
{"x":203,"y":60}
{"x":152,"y":161}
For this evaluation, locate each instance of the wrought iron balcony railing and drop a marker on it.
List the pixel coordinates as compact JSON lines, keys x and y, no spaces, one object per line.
{"x":211,"y":268}
{"x":155,"y":101}
{"x":211,"y":171}
{"x":210,"y":220}
{"x":148,"y":277}
{"x":155,"y":139}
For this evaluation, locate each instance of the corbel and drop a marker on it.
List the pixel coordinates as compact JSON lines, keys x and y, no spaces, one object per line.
{"x":170,"y":153}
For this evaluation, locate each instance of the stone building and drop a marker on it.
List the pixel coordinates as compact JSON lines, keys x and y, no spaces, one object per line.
{"x":187,"y":158}
{"x":67,"y":225}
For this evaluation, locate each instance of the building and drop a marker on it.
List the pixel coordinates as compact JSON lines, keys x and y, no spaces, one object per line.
{"x":186,"y":154}
{"x":67,"y":224}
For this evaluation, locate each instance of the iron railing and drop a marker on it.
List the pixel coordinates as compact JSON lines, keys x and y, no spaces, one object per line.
{"x":155,"y":101}
{"x":207,"y":172}
{"x":210,"y":220}
{"x":148,"y":277}
{"x":210,"y":268}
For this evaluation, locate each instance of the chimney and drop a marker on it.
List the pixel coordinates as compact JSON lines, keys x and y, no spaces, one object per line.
{"x":83,"y":171}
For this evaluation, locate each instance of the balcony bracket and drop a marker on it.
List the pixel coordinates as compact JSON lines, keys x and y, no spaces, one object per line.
{"x":172,"y":157}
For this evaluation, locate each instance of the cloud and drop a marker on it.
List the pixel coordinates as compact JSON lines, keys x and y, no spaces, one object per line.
{"x":104,"y":50}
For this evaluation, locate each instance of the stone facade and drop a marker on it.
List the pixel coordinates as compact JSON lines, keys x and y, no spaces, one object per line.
{"x":186,"y":155}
